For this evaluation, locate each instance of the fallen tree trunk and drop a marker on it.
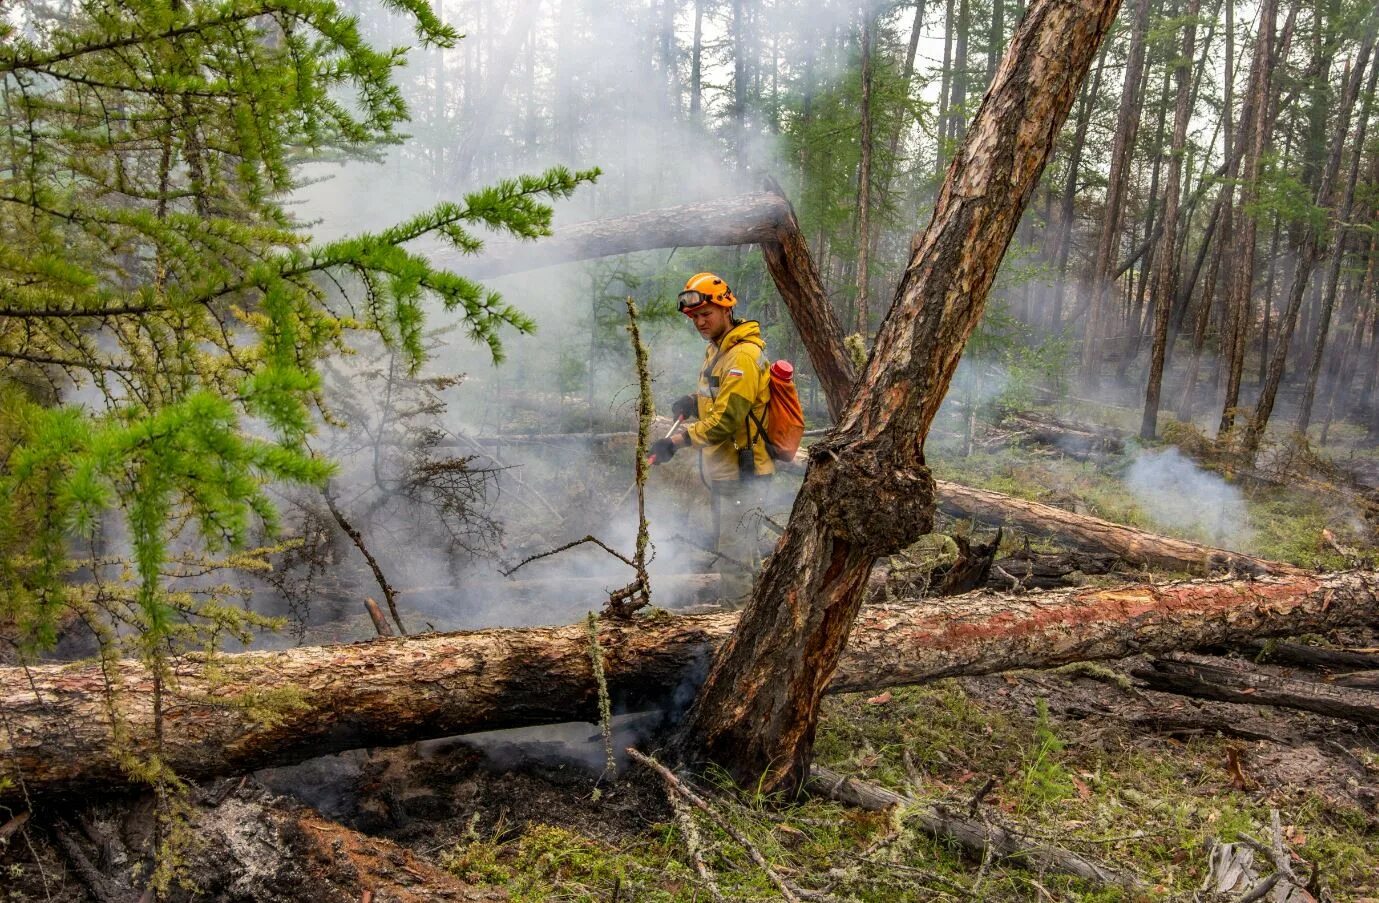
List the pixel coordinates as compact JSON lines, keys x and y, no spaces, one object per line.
{"x":1075,"y":440}
{"x":1137,"y":548}
{"x":59,"y":737}
{"x":1232,"y":681}
{"x":762,"y":218}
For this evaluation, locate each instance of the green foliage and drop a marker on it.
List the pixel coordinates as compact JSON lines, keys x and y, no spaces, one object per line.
{"x":1044,"y":779}
{"x":164,"y":319}
{"x":152,"y":277}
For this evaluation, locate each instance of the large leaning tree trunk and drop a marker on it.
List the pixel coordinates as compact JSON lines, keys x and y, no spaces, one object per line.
{"x":58,"y":734}
{"x":868,"y":492}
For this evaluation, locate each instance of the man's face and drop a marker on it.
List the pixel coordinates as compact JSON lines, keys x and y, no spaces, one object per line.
{"x":712,"y":321}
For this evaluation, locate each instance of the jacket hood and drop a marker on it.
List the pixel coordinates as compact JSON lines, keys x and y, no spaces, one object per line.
{"x":748,"y":331}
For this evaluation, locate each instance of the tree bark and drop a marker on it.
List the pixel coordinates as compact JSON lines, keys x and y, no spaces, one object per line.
{"x":867,"y":491}
{"x":398,"y":690}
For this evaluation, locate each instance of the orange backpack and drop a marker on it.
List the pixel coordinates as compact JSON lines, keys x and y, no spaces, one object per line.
{"x":784,"y":427}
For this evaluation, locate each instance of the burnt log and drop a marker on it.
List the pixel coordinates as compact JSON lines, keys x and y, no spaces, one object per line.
{"x":1026,"y":569}
{"x":1235,"y":681}
{"x":1137,"y":548}
{"x":1075,"y":440}
{"x":1323,"y":657}
{"x":390,"y":691}
{"x":1358,"y":680}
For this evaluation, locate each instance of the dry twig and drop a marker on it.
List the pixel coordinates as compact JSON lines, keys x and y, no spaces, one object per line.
{"x":675,"y":785}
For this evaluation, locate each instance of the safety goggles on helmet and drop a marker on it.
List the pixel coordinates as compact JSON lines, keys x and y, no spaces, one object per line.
{"x":691,"y":300}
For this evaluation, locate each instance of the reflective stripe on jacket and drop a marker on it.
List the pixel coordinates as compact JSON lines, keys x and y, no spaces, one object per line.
{"x":732,"y":382}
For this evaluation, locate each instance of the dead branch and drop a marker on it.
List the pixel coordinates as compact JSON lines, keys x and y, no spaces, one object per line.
{"x":101,"y":887}
{"x":328,"y":493}
{"x":980,"y":839}
{"x":380,"y":623}
{"x":675,"y":785}
{"x":693,"y":845}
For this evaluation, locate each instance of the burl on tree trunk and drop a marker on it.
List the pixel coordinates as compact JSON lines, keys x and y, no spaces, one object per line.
{"x":868,"y":492}
{"x":58,"y":735}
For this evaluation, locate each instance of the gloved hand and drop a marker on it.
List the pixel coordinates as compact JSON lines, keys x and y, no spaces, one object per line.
{"x":685,"y":408}
{"x":662,"y":450}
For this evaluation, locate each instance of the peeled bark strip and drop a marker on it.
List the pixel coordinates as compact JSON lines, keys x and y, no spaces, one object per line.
{"x":1232,"y":681}
{"x":398,"y":690}
{"x":1137,"y":548}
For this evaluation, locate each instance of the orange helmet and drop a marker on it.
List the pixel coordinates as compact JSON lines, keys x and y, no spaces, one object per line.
{"x":705,"y":288}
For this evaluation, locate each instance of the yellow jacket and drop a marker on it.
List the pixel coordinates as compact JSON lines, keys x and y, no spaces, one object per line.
{"x":732,"y":382}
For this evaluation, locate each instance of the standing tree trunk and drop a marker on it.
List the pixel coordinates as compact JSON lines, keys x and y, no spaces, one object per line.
{"x":1122,"y":148}
{"x":1241,"y":280}
{"x":867,"y":491}
{"x":1165,"y":264}
{"x":996,"y":39}
{"x":696,"y":104}
{"x":945,"y":82}
{"x":862,"y":325}
{"x":1067,"y":205}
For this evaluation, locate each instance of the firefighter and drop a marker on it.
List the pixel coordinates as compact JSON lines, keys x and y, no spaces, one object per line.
{"x":733,"y":459}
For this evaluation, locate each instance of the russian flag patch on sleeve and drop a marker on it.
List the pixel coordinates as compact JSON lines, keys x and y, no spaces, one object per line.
{"x":734,"y":372}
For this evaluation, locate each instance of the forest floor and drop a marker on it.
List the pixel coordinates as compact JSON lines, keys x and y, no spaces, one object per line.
{"x":1146,"y":783}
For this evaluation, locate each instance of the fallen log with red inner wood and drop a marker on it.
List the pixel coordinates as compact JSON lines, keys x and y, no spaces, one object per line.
{"x":390,"y":691}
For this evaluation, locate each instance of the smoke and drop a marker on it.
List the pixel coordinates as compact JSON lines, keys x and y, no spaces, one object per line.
{"x":1179,"y":495}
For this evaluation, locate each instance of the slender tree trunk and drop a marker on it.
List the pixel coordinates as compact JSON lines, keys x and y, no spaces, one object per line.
{"x":1122,"y":147}
{"x":1152,"y":227}
{"x":867,"y":490}
{"x":739,"y":38}
{"x":957,"y":104}
{"x":1310,"y":251}
{"x":996,"y":38}
{"x":1241,"y":273}
{"x":1267,"y":304}
{"x":1086,"y":105}
{"x":862,"y":324}
{"x":1165,"y":272}
{"x":1338,"y":246}
{"x":945,"y":85}
{"x":697,"y":63}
